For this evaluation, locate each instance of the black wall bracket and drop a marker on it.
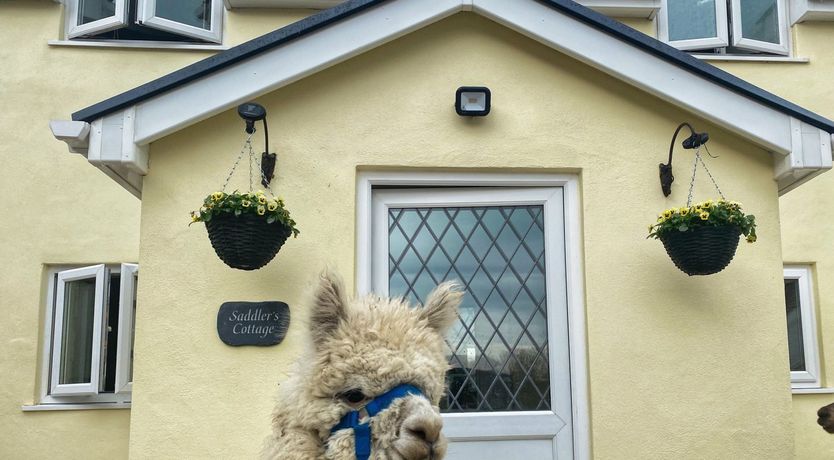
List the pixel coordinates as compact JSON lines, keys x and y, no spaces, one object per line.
{"x":695,"y":140}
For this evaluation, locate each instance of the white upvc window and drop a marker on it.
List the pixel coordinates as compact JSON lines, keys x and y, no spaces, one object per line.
{"x":86,"y":17}
{"x":803,"y":348}
{"x":145,"y":20}
{"x":88,"y":343}
{"x":201,"y":19}
{"x":734,"y":27}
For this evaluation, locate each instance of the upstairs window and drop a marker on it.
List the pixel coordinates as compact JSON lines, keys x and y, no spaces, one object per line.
{"x":145,"y":20}
{"x":725,"y":27}
{"x":89,"y":352}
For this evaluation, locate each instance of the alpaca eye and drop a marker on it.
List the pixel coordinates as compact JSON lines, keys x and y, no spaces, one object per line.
{"x":353,"y":396}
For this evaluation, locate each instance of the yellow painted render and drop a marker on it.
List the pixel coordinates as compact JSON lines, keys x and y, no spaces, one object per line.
{"x":680,"y":367}
{"x":807,"y":213}
{"x":57,"y":209}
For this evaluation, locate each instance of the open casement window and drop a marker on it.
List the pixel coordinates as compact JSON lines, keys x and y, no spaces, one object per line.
{"x":89,"y":17}
{"x":725,"y":27}
{"x":76,"y":354}
{"x":201,"y":19}
{"x":803,"y":349}
{"x":90,"y":348}
{"x":126,"y":329}
{"x":693,"y":25}
{"x":508,"y":386}
{"x":760,"y":25}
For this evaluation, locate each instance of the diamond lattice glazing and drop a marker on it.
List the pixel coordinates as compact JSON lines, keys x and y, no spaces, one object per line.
{"x":499,"y":355}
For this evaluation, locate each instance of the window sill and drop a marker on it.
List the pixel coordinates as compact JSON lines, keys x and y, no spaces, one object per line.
{"x":731,"y":58}
{"x":812,"y":391}
{"x":137,"y":44}
{"x":82,"y":406}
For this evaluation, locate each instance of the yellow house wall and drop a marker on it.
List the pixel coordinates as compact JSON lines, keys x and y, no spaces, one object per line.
{"x":57,"y":209}
{"x":679,"y":367}
{"x":807,"y":213}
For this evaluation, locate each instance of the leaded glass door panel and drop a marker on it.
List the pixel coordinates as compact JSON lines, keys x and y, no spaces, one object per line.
{"x":508,"y":385}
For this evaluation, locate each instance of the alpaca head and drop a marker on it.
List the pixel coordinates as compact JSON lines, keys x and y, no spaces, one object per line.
{"x":826,"y":418}
{"x":367,"y":346}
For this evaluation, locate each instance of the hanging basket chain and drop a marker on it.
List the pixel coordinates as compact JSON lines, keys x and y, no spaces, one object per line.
{"x":247,"y":143}
{"x":700,"y":159}
{"x":253,"y":162}
{"x":710,"y":174}
{"x":692,"y":181}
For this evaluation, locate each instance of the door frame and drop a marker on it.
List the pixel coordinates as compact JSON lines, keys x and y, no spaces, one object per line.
{"x":574,"y":268}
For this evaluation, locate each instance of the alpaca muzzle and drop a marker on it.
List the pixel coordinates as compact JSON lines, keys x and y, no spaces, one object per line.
{"x":362,"y":430}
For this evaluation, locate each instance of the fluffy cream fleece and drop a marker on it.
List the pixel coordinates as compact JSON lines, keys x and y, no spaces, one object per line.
{"x":369,"y":344}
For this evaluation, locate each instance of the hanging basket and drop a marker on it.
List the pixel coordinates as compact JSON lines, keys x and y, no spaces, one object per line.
{"x":247,"y":241}
{"x":702,"y":250}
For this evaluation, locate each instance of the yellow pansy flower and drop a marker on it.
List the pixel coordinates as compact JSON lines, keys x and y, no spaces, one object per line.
{"x":245,"y":203}
{"x":704,"y":215}
{"x":261,"y":199}
{"x":684,"y":211}
{"x":217,"y":196}
{"x":261,"y":210}
{"x":272,"y":206}
{"x":667,"y":213}
{"x":751,"y":238}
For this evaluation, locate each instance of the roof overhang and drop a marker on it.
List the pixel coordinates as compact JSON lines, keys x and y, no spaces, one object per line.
{"x":121,"y":128}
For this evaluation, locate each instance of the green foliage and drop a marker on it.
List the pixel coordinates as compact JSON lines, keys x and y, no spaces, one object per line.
{"x":708,"y":213}
{"x":271,"y":209}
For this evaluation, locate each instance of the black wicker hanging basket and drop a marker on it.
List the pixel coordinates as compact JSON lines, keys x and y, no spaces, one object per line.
{"x":246,"y":241}
{"x":702,"y":250}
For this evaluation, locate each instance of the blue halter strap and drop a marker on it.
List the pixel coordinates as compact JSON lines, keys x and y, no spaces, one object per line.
{"x":362,"y":431}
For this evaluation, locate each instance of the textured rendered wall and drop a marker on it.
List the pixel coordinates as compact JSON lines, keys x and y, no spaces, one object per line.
{"x":807,"y":213}
{"x":679,"y":367}
{"x":57,"y":209}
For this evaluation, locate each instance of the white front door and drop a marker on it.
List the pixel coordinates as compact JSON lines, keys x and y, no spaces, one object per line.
{"x":509,"y":386}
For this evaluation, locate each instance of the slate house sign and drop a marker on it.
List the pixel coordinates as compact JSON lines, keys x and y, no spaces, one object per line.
{"x":253,"y":323}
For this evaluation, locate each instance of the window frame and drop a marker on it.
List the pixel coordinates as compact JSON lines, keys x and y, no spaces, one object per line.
{"x":74,"y":30}
{"x":810,"y":377}
{"x":722,"y":38}
{"x":100,"y":273}
{"x":783,"y":47}
{"x":121,"y":397}
{"x":127,"y":296}
{"x":146,"y":16}
{"x":731,"y":21}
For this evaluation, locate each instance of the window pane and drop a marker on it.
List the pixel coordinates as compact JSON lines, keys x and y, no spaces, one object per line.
{"x":93,"y":10}
{"x":499,"y":359}
{"x":195,"y":13}
{"x":796,"y":348}
{"x":760,"y":20}
{"x":77,"y":333}
{"x":690,"y":19}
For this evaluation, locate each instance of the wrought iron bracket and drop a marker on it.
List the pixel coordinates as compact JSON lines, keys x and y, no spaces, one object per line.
{"x":252,"y":112}
{"x":695,"y":140}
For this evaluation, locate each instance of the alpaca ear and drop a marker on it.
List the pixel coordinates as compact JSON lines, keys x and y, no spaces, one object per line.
{"x":441,"y":308}
{"x":328,"y":307}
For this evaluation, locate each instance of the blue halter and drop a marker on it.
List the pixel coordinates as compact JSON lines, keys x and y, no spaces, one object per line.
{"x":362,"y":431}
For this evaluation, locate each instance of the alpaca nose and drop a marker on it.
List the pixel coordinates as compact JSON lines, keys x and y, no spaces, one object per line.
{"x":426,"y":429}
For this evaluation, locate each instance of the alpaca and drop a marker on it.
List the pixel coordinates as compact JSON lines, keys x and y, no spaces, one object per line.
{"x":826,"y":418}
{"x":362,"y":349}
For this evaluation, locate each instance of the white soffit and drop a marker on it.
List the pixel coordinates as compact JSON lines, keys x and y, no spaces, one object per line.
{"x":185,"y":105}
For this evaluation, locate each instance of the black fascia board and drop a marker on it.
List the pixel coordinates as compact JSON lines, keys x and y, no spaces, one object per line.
{"x":225,"y":59}
{"x":687,"y":62}
{"x":351,"y":7}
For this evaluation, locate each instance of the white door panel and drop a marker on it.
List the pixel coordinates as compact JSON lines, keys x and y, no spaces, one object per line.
{"x":509,"y":387}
